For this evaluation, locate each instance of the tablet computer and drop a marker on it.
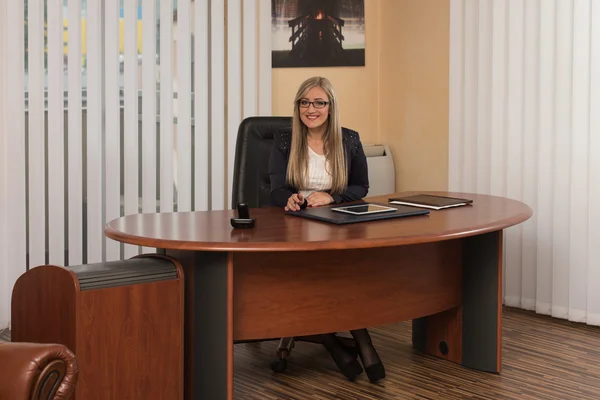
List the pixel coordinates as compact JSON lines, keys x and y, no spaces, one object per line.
{"x":364,"y":209}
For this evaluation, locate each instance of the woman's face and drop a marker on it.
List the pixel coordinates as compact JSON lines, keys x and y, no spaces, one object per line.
{"x":314,"y":117}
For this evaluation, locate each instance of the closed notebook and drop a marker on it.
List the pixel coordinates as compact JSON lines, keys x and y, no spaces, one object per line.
{"x":430,"y":201}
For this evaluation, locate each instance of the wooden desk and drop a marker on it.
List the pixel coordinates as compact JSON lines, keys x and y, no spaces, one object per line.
{"x":291,"y":276}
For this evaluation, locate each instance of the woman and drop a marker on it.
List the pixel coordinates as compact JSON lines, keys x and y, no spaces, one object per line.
{"x":316,"y":163}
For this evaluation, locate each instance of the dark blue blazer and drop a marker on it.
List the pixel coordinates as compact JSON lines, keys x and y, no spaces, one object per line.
{"x":358,"y":175}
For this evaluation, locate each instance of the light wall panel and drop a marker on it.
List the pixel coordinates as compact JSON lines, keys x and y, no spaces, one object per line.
{"x":234,"y":81}
{"x":149,"y":111}
{"x":561,"y":157}
{"x":166,"y":106}
{"x":14,"y":257}
{"x":498,"y":86}
{"x":524,"y":82}
{"x":112,"y":137}
{"x":531,"y":25}
{"x":37,"y":135}
{"x":144,"y":103}
{"x":264,"y":56}
{"x":149,"y":106}
{"x":512,"y":133}
{"x":4,"y":282}
{"x":75,"y":139}
{"x":131,"y":153}
{"x":202,"y":148}
{"x":217,"y":116}
{"x":250,"y":55}
{"x":468,"y":163}
{"x":483,"y":84}
{"x":456,"y":122}
{"x":546,"y":134}
{"x":94,"y":137}
{"x":580,"y":162}
{"x":56,"y":135}
{"x":593,"y":250}
{"x":184,"y":133}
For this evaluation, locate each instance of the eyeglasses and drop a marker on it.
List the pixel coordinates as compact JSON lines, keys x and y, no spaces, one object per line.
{"x":316,"y":104}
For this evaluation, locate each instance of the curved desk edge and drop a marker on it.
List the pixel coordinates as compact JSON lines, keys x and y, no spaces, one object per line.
{"x":308,"y":245}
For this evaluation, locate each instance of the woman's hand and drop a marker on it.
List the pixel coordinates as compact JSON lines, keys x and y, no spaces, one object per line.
{"x":294,"y":202}
{"x":317,"y":199}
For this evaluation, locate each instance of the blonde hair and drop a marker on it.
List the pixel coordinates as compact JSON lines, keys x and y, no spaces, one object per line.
{"x":332,"y":141}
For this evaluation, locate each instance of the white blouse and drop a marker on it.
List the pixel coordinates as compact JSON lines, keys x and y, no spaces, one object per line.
{"x":319,"y":180}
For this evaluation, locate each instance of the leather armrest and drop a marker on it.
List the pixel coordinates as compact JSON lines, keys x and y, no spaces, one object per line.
{"x":37,"y":371}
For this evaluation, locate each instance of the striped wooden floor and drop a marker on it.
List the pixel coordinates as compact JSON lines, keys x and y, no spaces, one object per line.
{"x":544,"y":358}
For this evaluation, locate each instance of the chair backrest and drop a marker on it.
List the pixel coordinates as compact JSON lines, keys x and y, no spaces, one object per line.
{"x":251,"y":183}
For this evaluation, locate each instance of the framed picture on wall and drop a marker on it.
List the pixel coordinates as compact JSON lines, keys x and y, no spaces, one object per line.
{"x":317,"y":33}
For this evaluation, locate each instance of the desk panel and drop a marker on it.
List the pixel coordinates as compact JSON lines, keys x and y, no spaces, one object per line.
{"x":304,"y":293}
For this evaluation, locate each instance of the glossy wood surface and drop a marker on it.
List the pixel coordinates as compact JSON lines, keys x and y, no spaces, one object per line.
{"x":144,"y":358}
{"x":54,"y":321}
{"x":276,"y":231}
{"x":276,"y":295}
{"x":445,"y":327}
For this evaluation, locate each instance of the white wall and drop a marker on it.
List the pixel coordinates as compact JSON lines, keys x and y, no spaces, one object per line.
{"x":227,"y":87}
{"x":524,"y":123}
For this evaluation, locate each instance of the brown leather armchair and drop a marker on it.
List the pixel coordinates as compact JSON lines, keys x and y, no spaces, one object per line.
{"x":37,"y":371}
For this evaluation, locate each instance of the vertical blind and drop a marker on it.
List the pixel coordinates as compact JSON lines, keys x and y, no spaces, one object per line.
{"x":114,"y":107}
{"x":524,"y":123}
{"x":13,"y":228}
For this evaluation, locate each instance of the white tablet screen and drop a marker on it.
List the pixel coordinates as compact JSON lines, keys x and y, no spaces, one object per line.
{"x":363,"y":209}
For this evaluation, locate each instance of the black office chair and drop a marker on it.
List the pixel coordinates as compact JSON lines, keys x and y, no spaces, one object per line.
{"x":252,"y":185}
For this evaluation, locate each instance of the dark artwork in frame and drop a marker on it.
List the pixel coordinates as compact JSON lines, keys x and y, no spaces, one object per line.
{"x":317,"y":33}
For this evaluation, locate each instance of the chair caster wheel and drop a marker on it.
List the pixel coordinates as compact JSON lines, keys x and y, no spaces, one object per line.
{"x":279,"y":365}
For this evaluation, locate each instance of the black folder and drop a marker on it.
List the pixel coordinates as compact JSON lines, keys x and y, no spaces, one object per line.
{"x":430,"y":201}
{"x":325,"y":214}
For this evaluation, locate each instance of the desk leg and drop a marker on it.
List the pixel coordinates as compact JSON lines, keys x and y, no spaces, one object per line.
{"x":471,"y":334}
{"x":208,"y":324}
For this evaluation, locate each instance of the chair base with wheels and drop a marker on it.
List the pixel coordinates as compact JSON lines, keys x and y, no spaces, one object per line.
{"x":286,"y":344}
